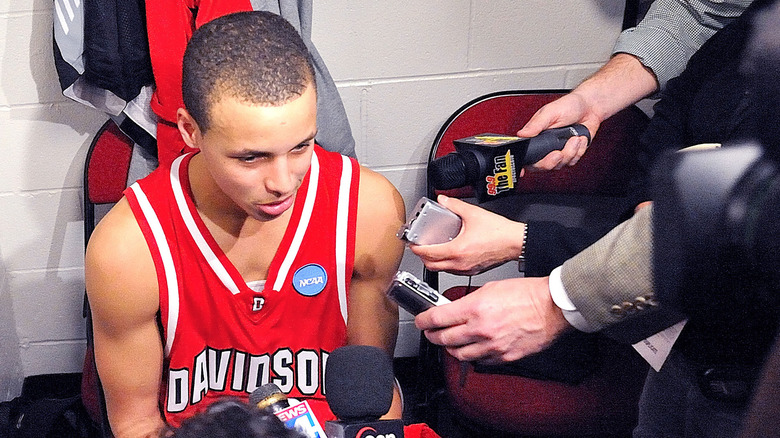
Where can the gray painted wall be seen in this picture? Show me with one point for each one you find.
(402, 68)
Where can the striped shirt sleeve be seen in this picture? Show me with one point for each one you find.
(673, 30)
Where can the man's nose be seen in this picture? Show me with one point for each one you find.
(279, 180)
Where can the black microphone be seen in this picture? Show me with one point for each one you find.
(491, 163)
(270, 397)
(299, 417)
(359, 388)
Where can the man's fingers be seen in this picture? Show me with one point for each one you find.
(455, 336)
(437, 252)
(568, 156)
(580, 145)
(541, 120)
(549, 162)
(570, 151)
(455, 205)
(440, 317)
(466, 353)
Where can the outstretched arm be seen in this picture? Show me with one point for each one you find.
(620, 83)
(644, 59)
(500, 322)
(122, 290)
(373, 318)
(486, 240)
(510, 319)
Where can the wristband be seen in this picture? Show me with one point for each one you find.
(521, 257)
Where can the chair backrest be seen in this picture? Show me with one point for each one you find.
(597, 189)
(106, 171)
(595, 193)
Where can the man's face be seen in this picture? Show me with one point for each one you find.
(259, 155)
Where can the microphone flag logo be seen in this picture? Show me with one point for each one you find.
(365, 429)
(301, 418)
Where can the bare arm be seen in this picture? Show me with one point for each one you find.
(122, 290)
(620, 83)
(672, 31)
(645, 58)
(373, 318)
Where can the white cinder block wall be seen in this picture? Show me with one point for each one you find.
(402, 68)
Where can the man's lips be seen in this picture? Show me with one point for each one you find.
(276, 208)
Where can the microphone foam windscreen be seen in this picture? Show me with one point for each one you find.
(448, 172)
(263, 393)
(359, 382)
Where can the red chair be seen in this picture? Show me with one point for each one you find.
(594, 193)
(105, 178)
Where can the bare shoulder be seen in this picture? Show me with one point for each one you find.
(119, 271)
(380, 214)
(379, 199)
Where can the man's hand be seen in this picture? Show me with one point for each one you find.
(569, 109)
(500, 322)
(621, 82)
(485, 240)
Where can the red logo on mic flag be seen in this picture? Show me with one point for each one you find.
(365, 429)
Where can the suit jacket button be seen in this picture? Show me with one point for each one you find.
(651, 301)
(618, 311)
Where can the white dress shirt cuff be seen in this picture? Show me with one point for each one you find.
(561, 299)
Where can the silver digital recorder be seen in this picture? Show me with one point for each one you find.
(430, 223)
(413, 294)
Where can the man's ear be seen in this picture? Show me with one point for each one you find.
(188, 128)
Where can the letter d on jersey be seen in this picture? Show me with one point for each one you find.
(257, 304)
(310, 280)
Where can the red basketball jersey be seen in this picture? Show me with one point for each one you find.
(220, 337)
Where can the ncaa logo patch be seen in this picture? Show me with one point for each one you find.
(310, 280)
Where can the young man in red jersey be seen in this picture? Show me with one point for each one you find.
(249, 261)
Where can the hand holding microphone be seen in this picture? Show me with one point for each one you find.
(491, 163)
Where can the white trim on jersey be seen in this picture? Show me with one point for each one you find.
(308, 207)
(197, 236)
(171, 279)
(342, 225)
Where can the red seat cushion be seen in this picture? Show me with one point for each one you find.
(604, 402)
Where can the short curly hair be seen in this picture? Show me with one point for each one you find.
(256, 57)
(232, 418)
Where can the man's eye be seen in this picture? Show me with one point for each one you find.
(303, 146)
(247, 159)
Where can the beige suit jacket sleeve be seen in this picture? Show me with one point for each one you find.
(611, 281)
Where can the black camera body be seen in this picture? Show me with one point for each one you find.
(716, 235)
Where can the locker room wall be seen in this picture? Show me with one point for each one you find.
(401, 67)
